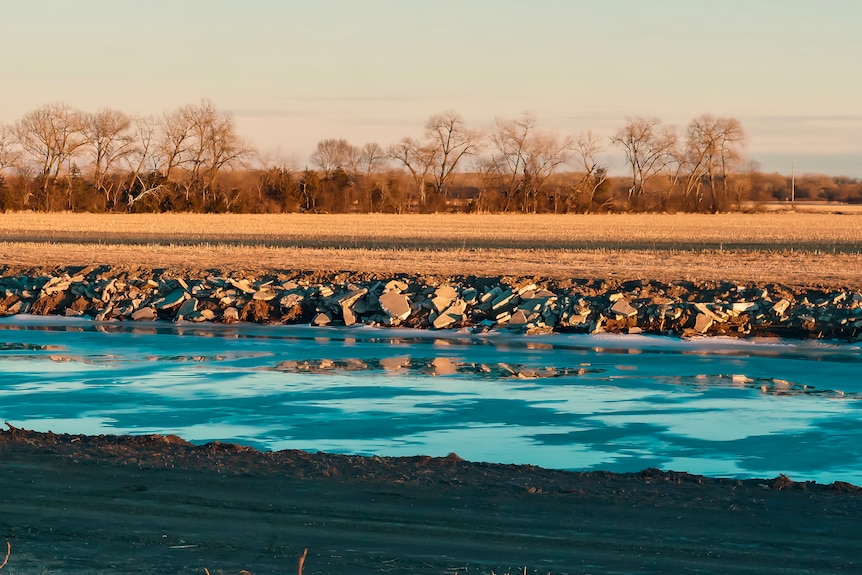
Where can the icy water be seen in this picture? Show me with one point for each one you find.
(621, 403)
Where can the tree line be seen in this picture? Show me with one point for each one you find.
(193, 159)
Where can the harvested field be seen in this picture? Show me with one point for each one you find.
(835, 233)
(793, 248)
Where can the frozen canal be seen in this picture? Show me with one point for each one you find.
(620, 403)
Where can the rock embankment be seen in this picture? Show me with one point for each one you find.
(530, 305)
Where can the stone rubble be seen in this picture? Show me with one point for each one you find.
(528, 305)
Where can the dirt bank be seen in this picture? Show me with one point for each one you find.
(129, 505)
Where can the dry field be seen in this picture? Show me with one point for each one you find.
(799, 248)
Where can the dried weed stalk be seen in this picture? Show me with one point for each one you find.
(8, 553)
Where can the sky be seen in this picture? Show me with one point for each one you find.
(295, 72)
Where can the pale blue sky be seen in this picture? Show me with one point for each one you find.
(373, 70)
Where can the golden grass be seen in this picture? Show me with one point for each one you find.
(823, 232)
(784, 247)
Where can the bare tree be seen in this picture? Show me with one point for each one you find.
(526, 158)
(721, 140)
(9, 154)
(224, 148)
(450, 142)
(50, 136)
(201, 141)
(364, 163)
(418, 160)
(712, 149)
(332, 154)
(175, 139)
(489, 172)
(108, 135)
(143, 159)
(371, 158)
(593, 175)
(510, 140)
(649, 149)
(545, 153)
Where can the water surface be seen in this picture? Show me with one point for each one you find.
(621, 403)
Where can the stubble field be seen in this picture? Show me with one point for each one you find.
(794, 248)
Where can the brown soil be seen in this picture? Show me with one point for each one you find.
(151, 504)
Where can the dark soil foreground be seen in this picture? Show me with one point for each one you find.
(158, 505)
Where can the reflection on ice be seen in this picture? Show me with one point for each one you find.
(623, 403)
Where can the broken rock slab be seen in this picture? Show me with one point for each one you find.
(187, 308)
(348, 315)
(176, 297)
(623, 308)
(321, 319)
(230, 315)
(396, 305)
(349, 300)
(780, 307)
(453, 314)
(702, 323)
(144, 314)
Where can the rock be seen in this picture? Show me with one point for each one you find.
(396, 304)
(291, 300)
(536, 304)
(451, 315)
(176, 297)
(321, 319)
(395, 285)
(324, 291)
(780, 307)
(107, 290)
(715, 315)
(144, 314)
(351, 297)
(440, 303)
(491, 295)
(242, 285)
(519, 318)
(470, 295)
(446, 291)
(187, 308)
(576, 320)
(504, 298)
(265, 294)
(105, 315)
(230, 315)
(673, 313)
(56, 285)
(702, 323)
(502, 317)
(623, 308)
(348, 315)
